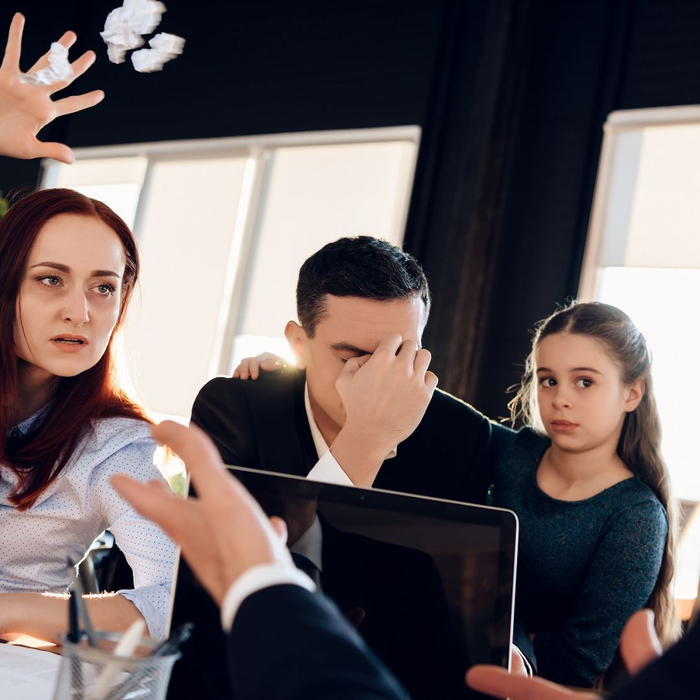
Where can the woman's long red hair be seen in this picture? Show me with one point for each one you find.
(78, 401)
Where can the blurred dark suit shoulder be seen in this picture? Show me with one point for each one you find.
(287, 643)
(262, 424)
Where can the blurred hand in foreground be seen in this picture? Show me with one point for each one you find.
(223, 532)
(639, 645)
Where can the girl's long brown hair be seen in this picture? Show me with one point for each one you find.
(640, 441)
(77, 401)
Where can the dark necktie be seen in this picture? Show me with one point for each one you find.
(308, 567)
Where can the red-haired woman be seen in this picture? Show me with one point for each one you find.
(68, 265)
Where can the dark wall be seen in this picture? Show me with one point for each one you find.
(511, 96)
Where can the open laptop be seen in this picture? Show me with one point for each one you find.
(428, 583)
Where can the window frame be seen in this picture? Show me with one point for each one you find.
(618, 122)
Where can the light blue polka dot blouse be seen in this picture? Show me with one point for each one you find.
(76, 508)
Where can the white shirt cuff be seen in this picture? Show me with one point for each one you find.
(329, 471)
(254, 580)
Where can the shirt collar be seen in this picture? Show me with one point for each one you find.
(310, 544)
(27, 424)
(319, 442)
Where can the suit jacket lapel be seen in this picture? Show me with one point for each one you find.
(303, 431)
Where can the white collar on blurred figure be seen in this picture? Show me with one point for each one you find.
(319, 442)
(310, 544)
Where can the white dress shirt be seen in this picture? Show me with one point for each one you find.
(76, 507)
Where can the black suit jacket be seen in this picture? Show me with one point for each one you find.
(262, 424)
(289, 644)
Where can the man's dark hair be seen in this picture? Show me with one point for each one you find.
(363, 267)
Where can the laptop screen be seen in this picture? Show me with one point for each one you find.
(427, 583)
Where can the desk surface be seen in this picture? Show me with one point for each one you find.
(25, 673)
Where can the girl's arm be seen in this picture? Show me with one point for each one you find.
(45, 615)
(620, 579)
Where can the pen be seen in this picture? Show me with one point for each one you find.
(73, 625)
(82, 607)
(177, 639)
(74, 637)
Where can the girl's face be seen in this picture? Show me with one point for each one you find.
(69, 297)
(581, 396)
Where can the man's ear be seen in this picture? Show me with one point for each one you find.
(296, 337)
(635, 394)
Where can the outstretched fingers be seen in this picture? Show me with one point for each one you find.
(67, 40)
(78, 67)
(53, 149)
(153, 500)
(76, 103)
(214, 485)
(13, 48)
(197, 451)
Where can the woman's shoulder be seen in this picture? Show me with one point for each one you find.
(121, 429)
(109, 446)
(108, 436)
(117, 445)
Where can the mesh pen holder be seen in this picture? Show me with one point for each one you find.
(141, 677)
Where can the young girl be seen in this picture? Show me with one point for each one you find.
(591, 490)
(68, 266)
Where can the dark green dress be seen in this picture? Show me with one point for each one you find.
(583, 566)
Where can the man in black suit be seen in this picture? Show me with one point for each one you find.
(359, 408)
(286, 643)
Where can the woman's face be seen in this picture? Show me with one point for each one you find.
(70, 295)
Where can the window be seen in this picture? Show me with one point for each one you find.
(223, 226)
(643, 255)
